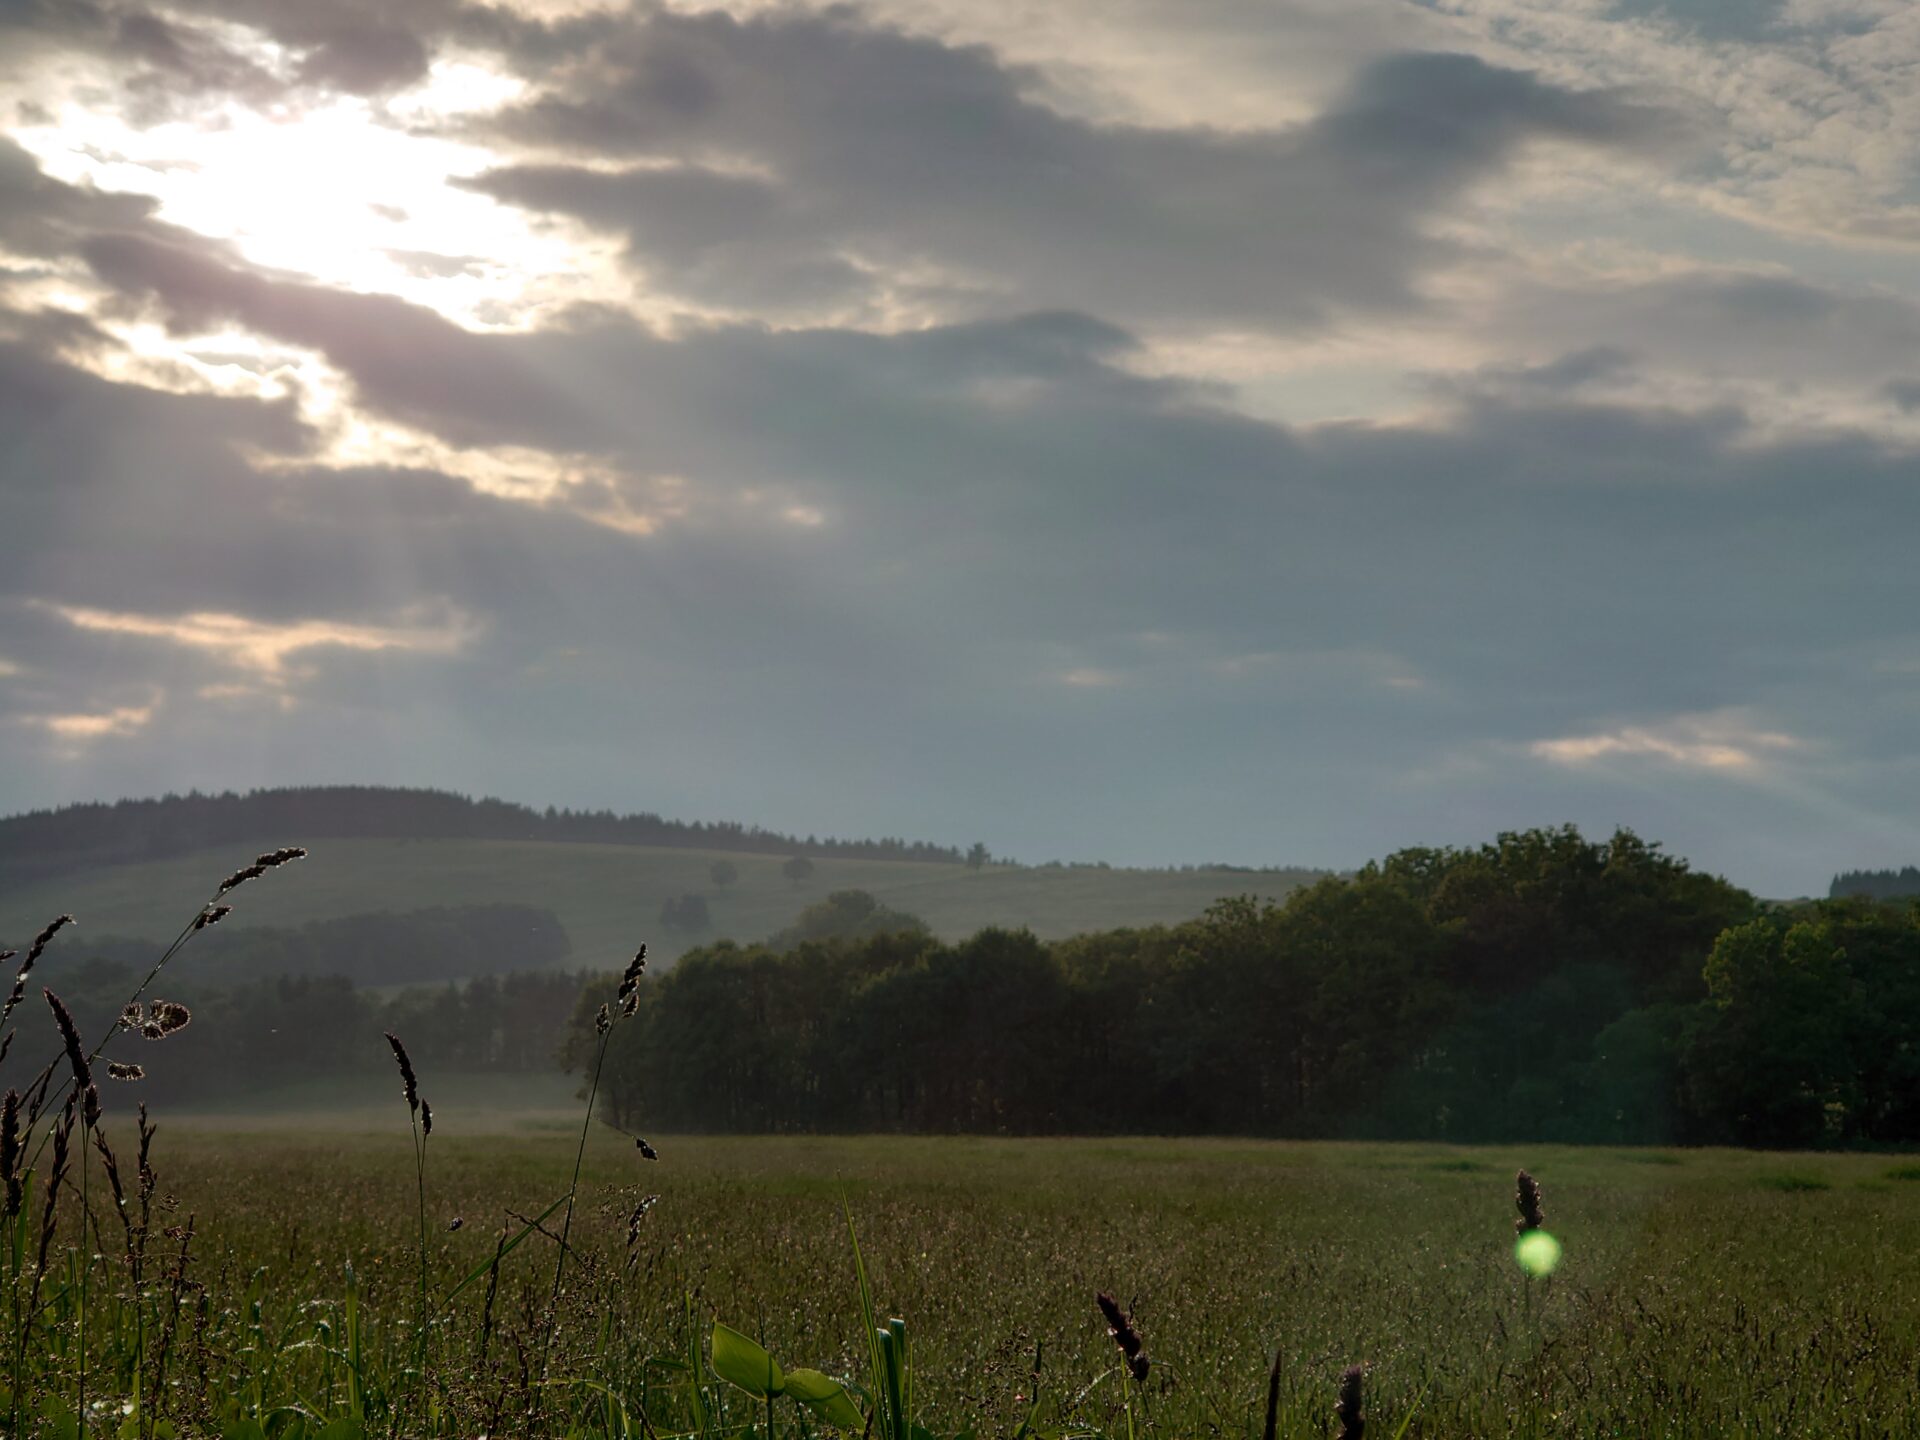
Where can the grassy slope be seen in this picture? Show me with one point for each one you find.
(608, 896)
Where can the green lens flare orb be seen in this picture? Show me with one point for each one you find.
(1537, 1252)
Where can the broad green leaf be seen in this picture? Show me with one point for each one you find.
(344, 1428)
(826, 1398)
(739, 1361)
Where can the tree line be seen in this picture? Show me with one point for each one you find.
(297, 1029)
(51, 841)
(1876, 884)
(1541, 988)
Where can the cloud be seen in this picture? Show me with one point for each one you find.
(124, 720)
(793, 159)
(1724, 742)
(268, 650)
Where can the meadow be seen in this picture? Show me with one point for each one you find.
(1701, 1293)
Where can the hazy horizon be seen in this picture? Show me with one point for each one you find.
(1155, 433)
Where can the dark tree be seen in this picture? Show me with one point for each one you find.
(798, 869)
(685, 912)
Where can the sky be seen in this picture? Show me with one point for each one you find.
(1156, 431)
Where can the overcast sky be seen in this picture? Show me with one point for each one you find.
(1150, 430)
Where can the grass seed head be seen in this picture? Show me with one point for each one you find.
(158, 1020)
(122, 1070)
(647, 1152)
(43, 939)
(212, 915)
(1353, 1423)
(1526, 1198)
(629, 993)
(409, 1085)
(271, 860)
(10, 1149)
(70, 1038)
(1120, 1326)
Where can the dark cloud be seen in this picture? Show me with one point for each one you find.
(172, 57)
(44, 217)
(872, 150)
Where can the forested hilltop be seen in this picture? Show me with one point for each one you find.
(1876, 884)
(129, 830)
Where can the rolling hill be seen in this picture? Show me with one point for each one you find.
(607, 896)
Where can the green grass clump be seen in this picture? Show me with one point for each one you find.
(1794, 1184)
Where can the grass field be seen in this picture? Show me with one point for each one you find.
(609, 896)
(1701, 1293)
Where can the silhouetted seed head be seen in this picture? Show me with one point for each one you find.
(70, 1037)
(212, 915)
(121, 1070)
(602, 1022)
(1353, 1424)
(647, 1152)
(426, 1118)
(241, 876)
(629, 993)
(42, 940)
(90, 1107)
(261, 864)
(132, 1017)
(10, 1149)
(1120, 1326)
(1526, 1196)
(455, 1224)
(409, 1086)
(163, 1018)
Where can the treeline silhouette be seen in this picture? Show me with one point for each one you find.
(52, 841)
(442, 942)
(1876, 884)
(1540, 988)
(311, 1030)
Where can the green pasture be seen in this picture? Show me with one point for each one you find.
(1701, 1293)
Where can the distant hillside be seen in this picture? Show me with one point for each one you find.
(49, 841)
(1876, 884)
(608, 896)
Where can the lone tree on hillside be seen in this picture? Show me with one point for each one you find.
(798, 869)
(684, 912)
(723, 873)
(977, 857)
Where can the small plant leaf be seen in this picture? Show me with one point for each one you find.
(827, 1398)
(740, 1361)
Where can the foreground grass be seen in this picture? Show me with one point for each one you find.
(1702, 1293)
